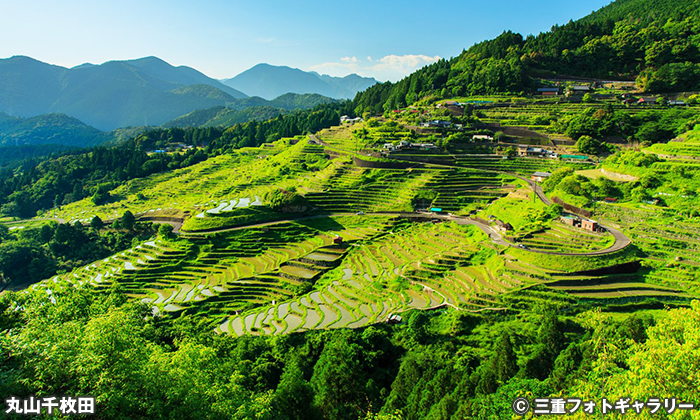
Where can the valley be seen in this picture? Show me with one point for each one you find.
(510, 232)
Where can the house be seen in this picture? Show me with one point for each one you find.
(503, 227)
(531, 151)
(451, 104)
(436, 124)
(570, 220)
(548, 91)
(677, 103)
(540, 176)
(610, 200)
(482, 137)
(349, 120)
(578, 90)
(646, 100)
(404, 143)
(389, 146)
(423, 146)
(337, 240)
(590, 225)
(394, 319)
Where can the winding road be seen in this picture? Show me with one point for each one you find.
(621, 241)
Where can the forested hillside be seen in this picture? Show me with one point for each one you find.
(55, 129)
(433, 262)
(45, 183)
(453, 365)
(657, 43)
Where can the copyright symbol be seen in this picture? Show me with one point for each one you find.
(521, 406)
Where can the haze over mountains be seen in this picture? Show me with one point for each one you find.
(110, 95)
(269, 82)
(149, 91)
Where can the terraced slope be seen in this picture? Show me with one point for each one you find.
(352, 189)
(421, 266)
(670, 241)
(245, 173)
(224, 274)
(562, 238)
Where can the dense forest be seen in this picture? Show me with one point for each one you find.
(658, 44)
(39, 184)
(38, 253)
(435, 365)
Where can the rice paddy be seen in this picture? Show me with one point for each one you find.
(341, 263)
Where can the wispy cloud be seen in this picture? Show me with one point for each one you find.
(391, 67)
(269, 40)
(276, 42)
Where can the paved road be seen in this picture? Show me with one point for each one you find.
(621, 241)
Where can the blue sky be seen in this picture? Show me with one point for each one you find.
(383, 39)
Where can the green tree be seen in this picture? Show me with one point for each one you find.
(337, 380)
(588, 145)
(128, 220)
(96, 223)
(165, 230)
(294, 396)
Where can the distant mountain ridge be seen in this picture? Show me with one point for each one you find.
(55, 129)
(145, 91)
(249, 109)
(22, 136)
(268, 81)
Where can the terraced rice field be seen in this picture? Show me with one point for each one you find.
(224, 274)
(612, 286)
(688, 148)
(460, 189)
(671, 242)
(355, 189)
(521, 166)
(562, 238)
(247, 173)
(433, 261)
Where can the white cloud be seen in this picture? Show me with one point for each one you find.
(391, 67)
(404, 63)
(266, 40)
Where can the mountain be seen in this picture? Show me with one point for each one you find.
(55, 129)
(270, 82)
(291, 101)
(33, 137)
(248, 109)
(656, 42)
(221, 116)
(114, 94)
